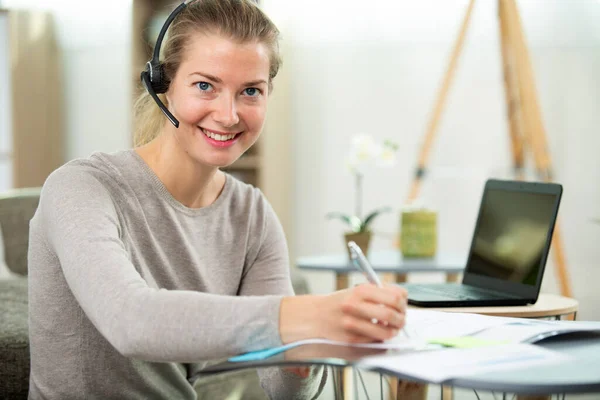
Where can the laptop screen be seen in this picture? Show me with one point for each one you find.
(511, 235)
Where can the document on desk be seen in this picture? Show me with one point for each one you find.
(421, 327)
(424, 329)
(433, 325)
(425, 324)
(443, 365)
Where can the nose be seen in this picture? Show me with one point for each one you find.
(225, 112)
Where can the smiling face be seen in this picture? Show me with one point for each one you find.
(219, 94)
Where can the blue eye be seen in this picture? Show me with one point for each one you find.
(252, 92)
(204, 86)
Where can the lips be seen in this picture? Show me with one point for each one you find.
(220, 136)
(220, 140)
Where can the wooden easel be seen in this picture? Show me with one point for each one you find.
(526, 131)
(526, 128)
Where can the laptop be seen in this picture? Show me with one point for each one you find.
(508, 252)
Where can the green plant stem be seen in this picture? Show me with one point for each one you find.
(358, 178)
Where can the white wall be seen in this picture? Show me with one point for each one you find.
(94, 38)
(376, 67)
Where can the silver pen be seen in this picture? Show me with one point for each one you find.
(363, 265)
(360, 261)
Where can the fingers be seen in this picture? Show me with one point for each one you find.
(369, 311)
(362, 328)
(392, 296)
(373, 312)
(363, 314)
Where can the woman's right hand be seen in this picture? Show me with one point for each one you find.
(364, 313)
(347, 315)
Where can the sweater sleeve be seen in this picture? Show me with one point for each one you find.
(80, 224)
(269, 274)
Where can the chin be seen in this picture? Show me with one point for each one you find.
(215, 162)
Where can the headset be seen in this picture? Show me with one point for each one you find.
(153, 77)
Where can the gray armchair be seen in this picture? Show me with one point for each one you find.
(17, 207)
(16, 210)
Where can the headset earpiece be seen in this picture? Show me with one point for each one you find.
(153, 76)
(149, 86)
(160, 84)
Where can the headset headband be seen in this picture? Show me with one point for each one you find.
(153, 77)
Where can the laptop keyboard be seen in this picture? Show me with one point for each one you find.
(461, 292)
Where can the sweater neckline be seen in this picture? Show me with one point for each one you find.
(162, 190)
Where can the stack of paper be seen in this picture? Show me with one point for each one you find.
(442, 365)
(500, 342)
(434, 325)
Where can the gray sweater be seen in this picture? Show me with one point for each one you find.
(130, 291)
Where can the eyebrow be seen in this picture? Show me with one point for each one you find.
(219, 80)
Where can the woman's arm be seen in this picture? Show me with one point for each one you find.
(80, 224)
(268, 273)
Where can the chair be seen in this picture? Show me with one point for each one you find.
(17, 207)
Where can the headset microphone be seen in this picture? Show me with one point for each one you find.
(153, 77)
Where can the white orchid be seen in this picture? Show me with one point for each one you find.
(387, 156)
(365, 152)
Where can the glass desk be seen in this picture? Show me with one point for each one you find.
(581, 374)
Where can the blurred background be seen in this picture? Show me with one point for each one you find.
(350, 67)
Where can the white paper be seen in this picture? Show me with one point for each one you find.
(442, 365)
(425, 325)
(531, 331)
(422, 326)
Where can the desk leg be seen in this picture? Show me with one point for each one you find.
(446, 392)
(341, 281)
(388, 277)
(395, 384)
(406, 390)
(339, 389)
(452, 278)
(347, 384)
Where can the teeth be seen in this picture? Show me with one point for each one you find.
(215, 136)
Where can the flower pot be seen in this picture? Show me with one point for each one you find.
(362, 239)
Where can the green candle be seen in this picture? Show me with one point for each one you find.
(418, 232)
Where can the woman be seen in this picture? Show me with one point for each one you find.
(145, 263)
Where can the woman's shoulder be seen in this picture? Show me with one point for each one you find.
(249, 200)
(243, 193)
(88, 174)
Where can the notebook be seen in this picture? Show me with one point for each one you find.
(508, 252)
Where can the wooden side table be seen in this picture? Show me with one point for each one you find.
(547, 305)
(389, 263)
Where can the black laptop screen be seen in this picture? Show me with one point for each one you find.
(511, 235)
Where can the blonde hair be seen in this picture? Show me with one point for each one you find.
(240, 20)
